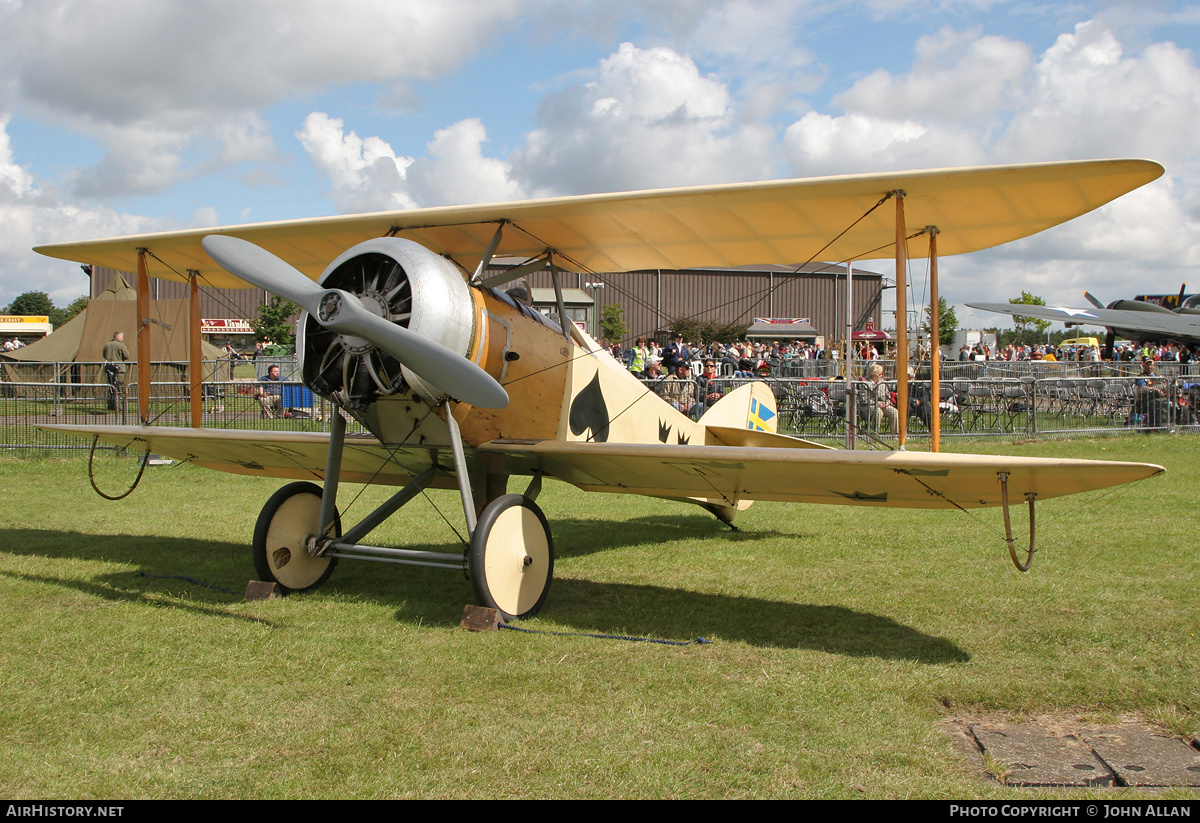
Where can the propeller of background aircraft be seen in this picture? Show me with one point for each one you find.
(343, 313)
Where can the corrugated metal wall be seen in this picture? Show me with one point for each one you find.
(652, 299)
(236, 304)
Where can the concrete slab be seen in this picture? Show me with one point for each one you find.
(1033, 757)
(1140, 757)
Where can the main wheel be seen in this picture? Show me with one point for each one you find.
(512, 557)
(280, 536)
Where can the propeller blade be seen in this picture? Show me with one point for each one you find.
(1091, 299)
(342, 312)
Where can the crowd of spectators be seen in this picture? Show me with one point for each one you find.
(685, 374)
(1128, 352)
(669, 369)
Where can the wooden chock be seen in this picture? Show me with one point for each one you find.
(481, 619)
(262, 590)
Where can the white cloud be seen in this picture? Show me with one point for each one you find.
(824, 144)
(364, 173)
(648, 118)
(126, 61)
(31, 216)
(456, 170)
(1090, 99)
(172, 88)
(15, 181)
(957, 77)
(971, 99)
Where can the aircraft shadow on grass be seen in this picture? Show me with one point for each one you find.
(422, 595)
(576, 537)
(123, 588)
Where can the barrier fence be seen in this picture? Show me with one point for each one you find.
(993, 399)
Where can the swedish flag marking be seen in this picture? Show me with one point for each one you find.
(760, 415)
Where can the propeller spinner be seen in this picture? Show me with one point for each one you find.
(343, 313)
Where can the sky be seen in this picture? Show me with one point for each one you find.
(143, 115)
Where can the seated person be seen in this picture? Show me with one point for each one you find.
(270, 394)
(881, 399)
(710, 391)
(680, 390)
(919, 403)
(653, 372)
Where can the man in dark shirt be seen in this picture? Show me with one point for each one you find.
(270, 394)
(116, 355)
(675, 354)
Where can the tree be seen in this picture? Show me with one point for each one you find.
(947, 322)
(31, 302)
(612, 323)
(707, 331)
(276, 321)
(1035, 325)
(60, 316)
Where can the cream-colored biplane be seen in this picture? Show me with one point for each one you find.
(462, 385)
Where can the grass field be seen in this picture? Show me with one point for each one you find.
(842, 639)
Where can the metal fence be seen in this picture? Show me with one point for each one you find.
(985, 399)
(977, 400)
(78, 394)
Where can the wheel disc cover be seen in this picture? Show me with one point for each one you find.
(515, 586)
(288, 558)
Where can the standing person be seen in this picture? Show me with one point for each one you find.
(115, 354)
(1150, 407)
(675, 353)
(233, 356)
(640, 354)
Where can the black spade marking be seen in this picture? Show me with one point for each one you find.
(664, 431)
(589, 411)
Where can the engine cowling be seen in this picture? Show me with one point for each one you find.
(405, 283)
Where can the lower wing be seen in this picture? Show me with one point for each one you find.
(714, 473)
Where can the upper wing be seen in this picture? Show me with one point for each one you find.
(1167, 324)
(732, 474)
(782, 222)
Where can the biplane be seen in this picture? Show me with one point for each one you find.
(459, 384)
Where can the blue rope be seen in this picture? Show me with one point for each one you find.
(188, 579)
(699, 641)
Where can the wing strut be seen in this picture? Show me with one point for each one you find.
(901, 321)
(1012, 549)
(460, 469)
(558, 299)
(486, 260)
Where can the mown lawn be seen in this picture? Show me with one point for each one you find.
(842, 639)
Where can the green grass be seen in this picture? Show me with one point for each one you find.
(843, 637)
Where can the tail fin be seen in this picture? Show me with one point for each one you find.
(751, 406)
